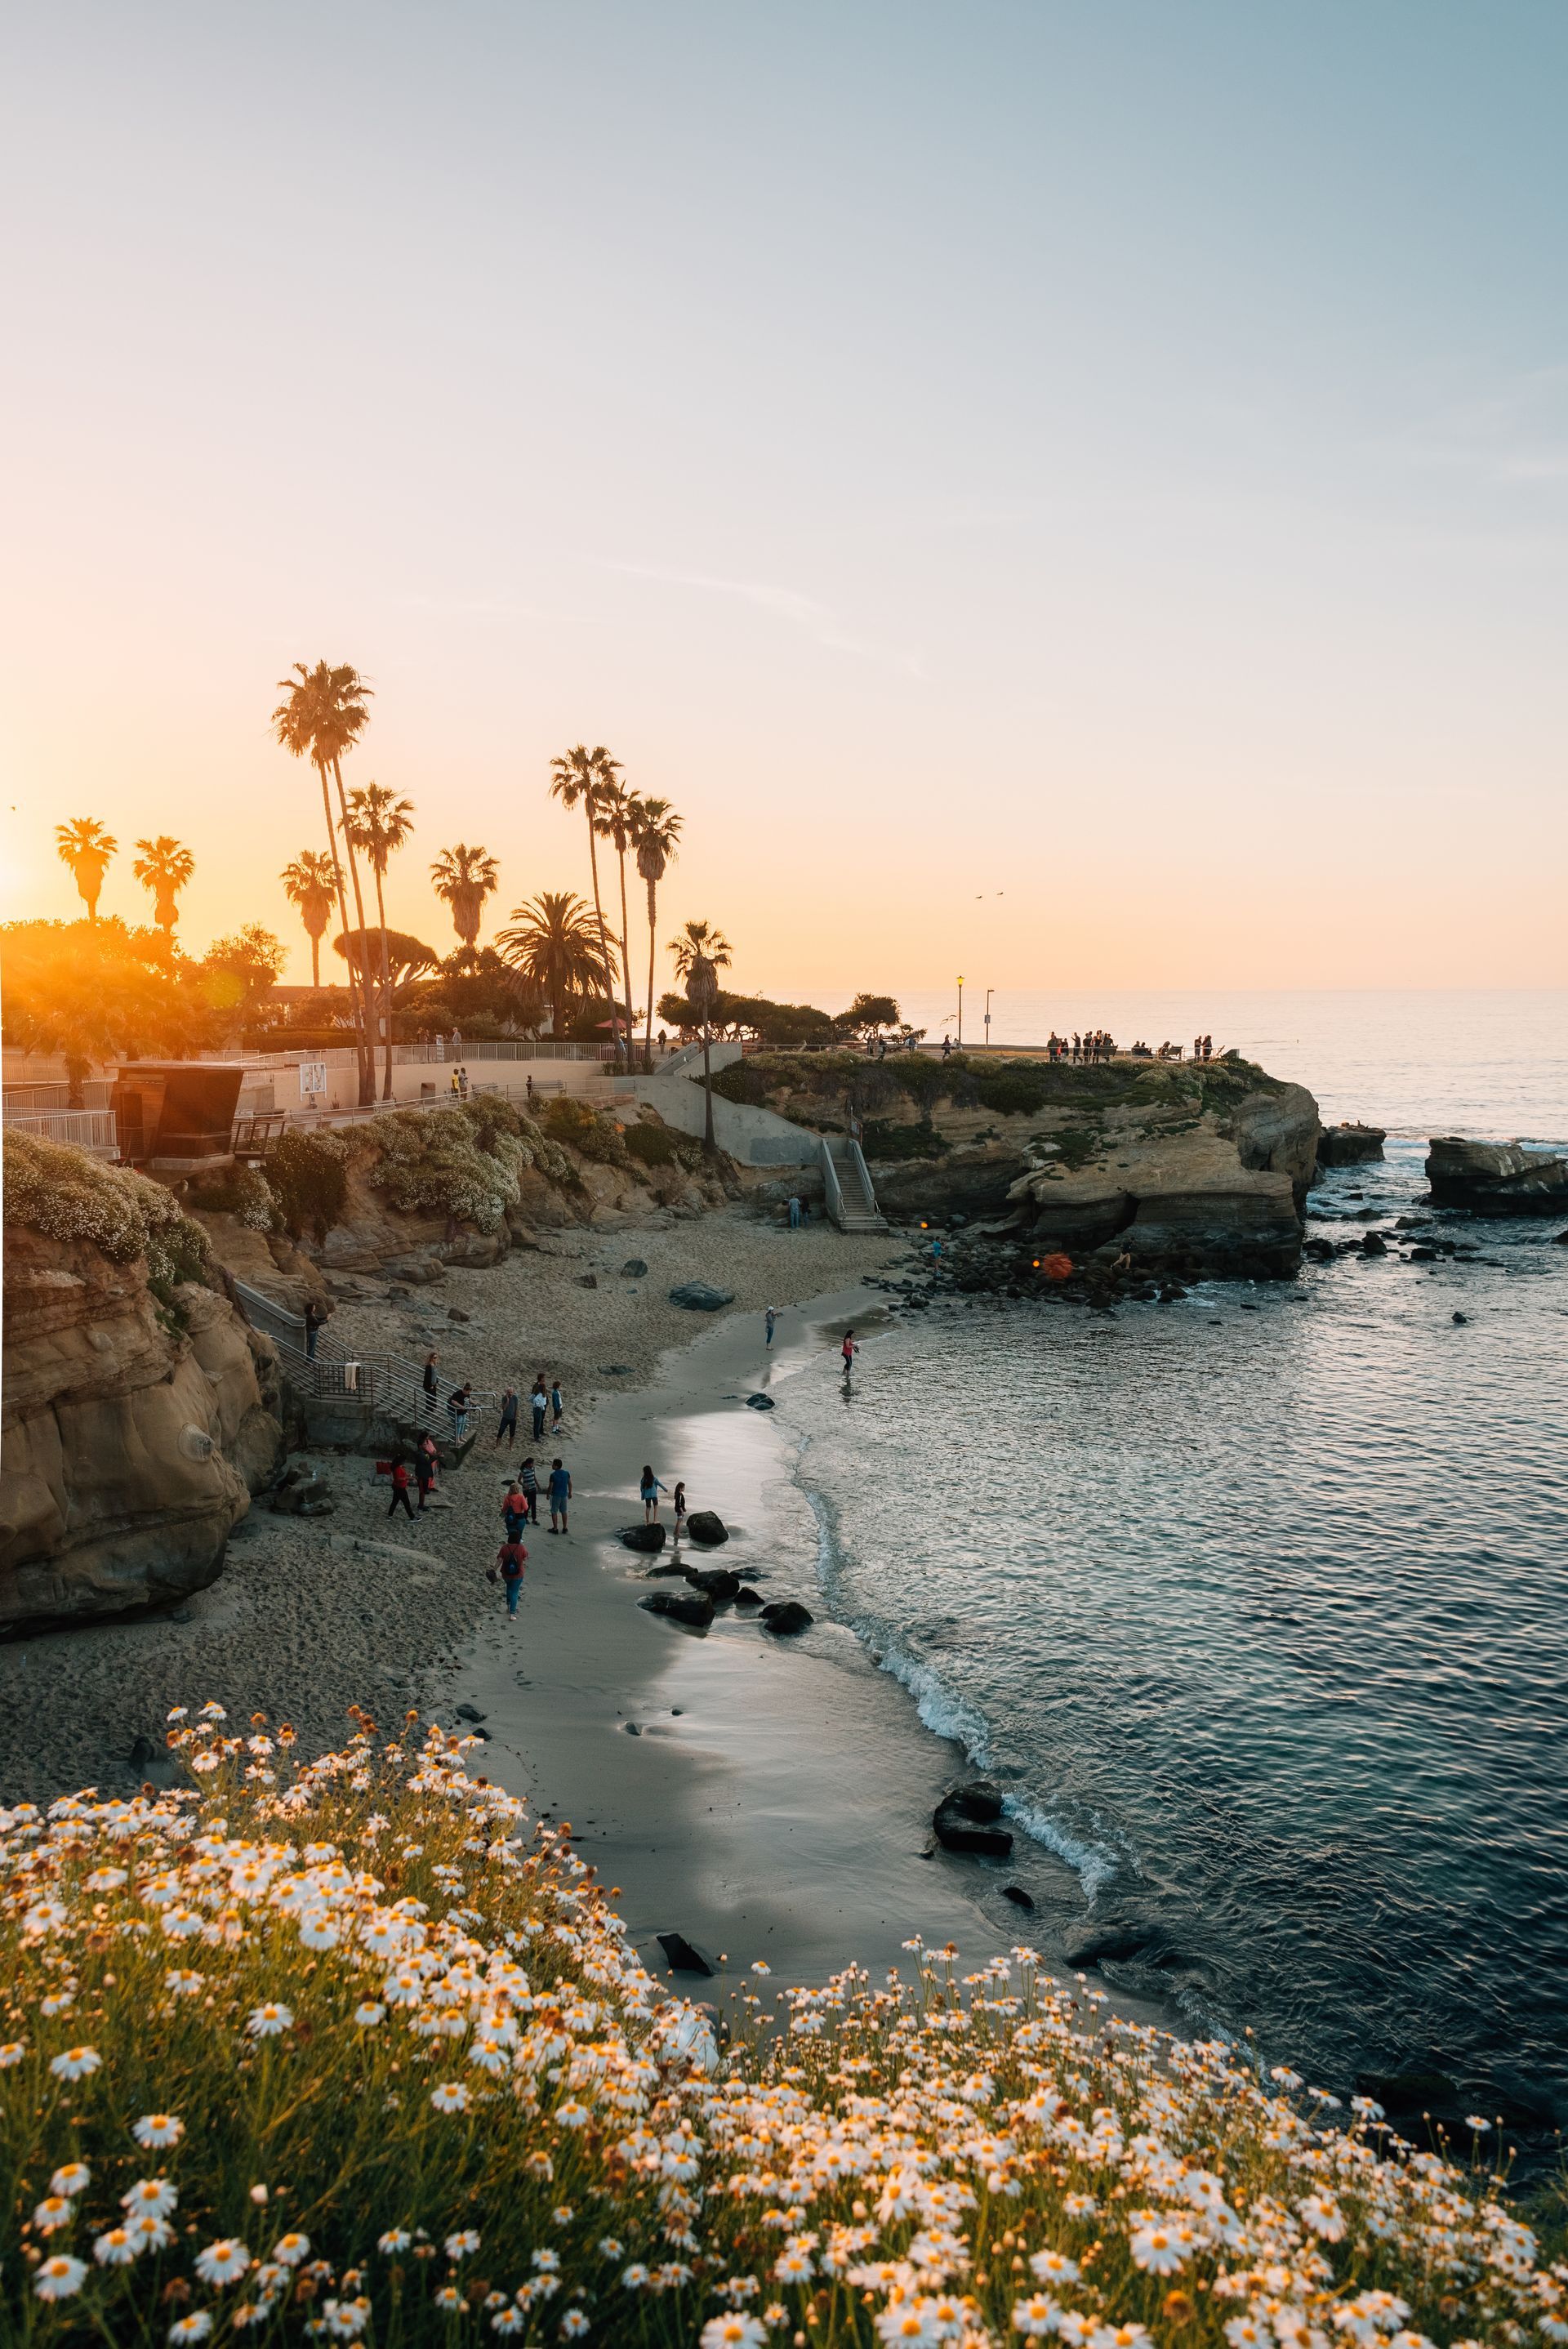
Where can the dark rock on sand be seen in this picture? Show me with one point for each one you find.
(688, 1607)
(1461, 1316)
(707, 1526)
(615, 1370)
(649, 1539)
(714, 1581)
(302, 1492)
(455, 1313)
(1117, 1937)
(1374, 1244)
(469, 1712)
(1423, 1255)
(966, 1818)
(760, 1403)
(1495, 1178)
(746, 1597)
(1018, 1896)
(633, 1269)
(633, 1729)
(1350, 1146)
(701, 1296)
(587, 1280)
(680, 1956)
(786, 1617)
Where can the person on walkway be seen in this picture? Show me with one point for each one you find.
(313, 1318)
(507, 1432)
(849, 1350)
(425, 1467)
(560, 1495)
(680, 1508)
(456, 1088)
(770, 1317)
(457, 1412)
(794, 1211)
(651, 1489)
(399, 1488)
(529, 1092)
(558, 1408)
(430, 1384)
(512, 1557)
(540, 1402)
(528, 1478)
(514, 1510)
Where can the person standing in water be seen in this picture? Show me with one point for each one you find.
(680, 1508)
(849, 1350)
(770, 1316)
(651, 1488)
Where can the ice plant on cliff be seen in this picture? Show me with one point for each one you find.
(475, 2113)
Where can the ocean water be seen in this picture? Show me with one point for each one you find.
(1255, 1606)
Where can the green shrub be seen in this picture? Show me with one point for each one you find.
(651, 1145)
(1015, 1087)
(592, 1134)
(244, 1193)
(308, 1174)
(461, 1162)
(885, 1138)
(64, 1194)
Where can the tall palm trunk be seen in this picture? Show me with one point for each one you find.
(368, 1050)
(649, 1033)
(315, 959)
(342, 916)
(626, 946)
(598, 908)
(709, 1142)
(386, 983)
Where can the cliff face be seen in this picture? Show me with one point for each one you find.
(1219, 1194)
(1496, 1178)
(129, 1448)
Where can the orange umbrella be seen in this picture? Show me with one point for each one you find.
(1057, 1267)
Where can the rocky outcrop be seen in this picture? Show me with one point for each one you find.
(134, 1434)
(1348, 1145)
(1496, 1178)
(1218, 1193)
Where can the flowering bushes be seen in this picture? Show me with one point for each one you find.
(64, 1194)
(338, 2051)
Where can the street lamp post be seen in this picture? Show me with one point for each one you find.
(961, 1011)
(990, 991)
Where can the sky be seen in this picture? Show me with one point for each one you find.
(1073, 494)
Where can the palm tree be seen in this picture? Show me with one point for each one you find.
(86, 847)
(321, 716)
(580, 778)
(701, 952)
(163, 868)
(656, 831)
(311, 883)
(465, 877)
(554, 947)
(617, 822)
(377, 820)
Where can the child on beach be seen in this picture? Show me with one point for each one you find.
(512, 1557)
(651, 1489)
(527, 1476)
(540, 1402)
(848, 1350)
(560, 1495)
(400, 1488)
(772, 1317)
(680, 1508)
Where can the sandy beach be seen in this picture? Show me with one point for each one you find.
(768, 1798)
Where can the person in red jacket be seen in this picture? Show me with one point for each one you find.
(400, 1488)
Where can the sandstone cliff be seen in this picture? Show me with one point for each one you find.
(140, 1412)
(1496, 1178)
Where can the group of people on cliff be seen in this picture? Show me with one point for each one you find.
(1094, 1044)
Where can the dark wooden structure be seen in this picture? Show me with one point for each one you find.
(176, 1118)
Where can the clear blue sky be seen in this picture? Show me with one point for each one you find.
(1117, 453)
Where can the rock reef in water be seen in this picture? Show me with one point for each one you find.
(141, 1413)
(1495, 1178)
(1350, 1146)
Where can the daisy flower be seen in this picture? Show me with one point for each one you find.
(395, 2239)
(1120, 2336)
(460, 2246)
(183, 1980)
(508, 2320)
(1157, 2249)
(1053, 2267)
(573, 2324)
(546, 2262)
(1324, 2216)
(1036, 2314)
(55, 2210)
(150, 2198)
(115, 2248)
(369, 2012)
(75, 2064)
(11, 2051)
(151, 2233)
(194, 2327)
(451, 2097)
(449, 2299)
(156, 2130)
(58, 2277)
(224, 2262)
(734, 2333)
(347, 2319)
(71, 2177)
(267, 2020)
(292, 2248)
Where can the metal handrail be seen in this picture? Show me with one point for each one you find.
(383, 1381)
(833, 1195)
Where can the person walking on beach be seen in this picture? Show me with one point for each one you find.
(425, 1467)
(557, 1407)
(680, 1508)
(770, 1317)
(457, 1412)
(431, 1383)
(560, 1495)
(849, 1350)
(540, 1401)
(507, 1432)
(651, 1489)
(514, 1510)
(399, 1488)
(528, 1478)
(512, 1557)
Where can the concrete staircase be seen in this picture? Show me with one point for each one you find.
(846, 1180)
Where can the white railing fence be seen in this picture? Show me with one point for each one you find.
(90, 1129)
(388, 1385)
